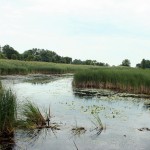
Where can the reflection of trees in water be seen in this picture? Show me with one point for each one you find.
(146, 105)
(7, 146)
(40, 80)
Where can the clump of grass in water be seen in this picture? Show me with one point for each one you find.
(8, 114)
(77, 130)
(34, 118)
(99, 127)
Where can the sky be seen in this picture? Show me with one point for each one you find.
(108, 31)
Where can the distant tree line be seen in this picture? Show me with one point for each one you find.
(35, 54)
(144, 64)
(89, 62)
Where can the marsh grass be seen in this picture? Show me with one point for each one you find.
(8, 67)
(34, 117)
(123, 79)
(99, 127)
(8, 114)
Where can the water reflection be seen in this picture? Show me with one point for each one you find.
(146, 105)
(41, 80)
(33, 78)
(28, 138)
(7, 146)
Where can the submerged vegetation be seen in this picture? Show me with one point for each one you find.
(78, 130)
(121, 79)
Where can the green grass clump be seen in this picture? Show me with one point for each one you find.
(123, 79)
(8, 67)
(34, 117)
(8, 113)
(99, 127)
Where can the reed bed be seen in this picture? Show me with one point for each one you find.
(122, 79)
(9, 67)
(8, 114)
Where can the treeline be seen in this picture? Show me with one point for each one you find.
(35, 54)
(144, 64)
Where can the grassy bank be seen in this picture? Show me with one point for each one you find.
(8, 67)
(130, 80)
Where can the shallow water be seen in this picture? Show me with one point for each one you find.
(122, 117)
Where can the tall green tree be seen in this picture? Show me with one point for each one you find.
(143, 63)
(10, 53)
(77, 61)
(126, 62)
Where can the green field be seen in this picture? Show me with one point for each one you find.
(123, 79)
(9, 67)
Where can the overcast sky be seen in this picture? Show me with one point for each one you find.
(103, 30)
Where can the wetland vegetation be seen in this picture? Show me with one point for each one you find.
(8, 114)
(121, 79)
(10, 67)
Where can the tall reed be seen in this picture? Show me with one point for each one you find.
(8, 113)
(8, 67)
(121, 79)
